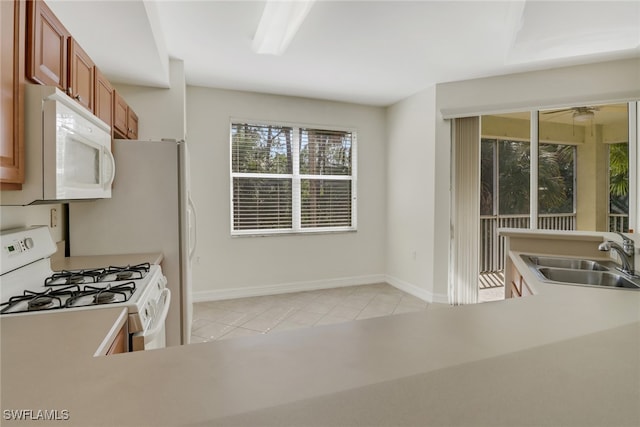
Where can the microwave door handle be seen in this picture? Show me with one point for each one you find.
(112, 160)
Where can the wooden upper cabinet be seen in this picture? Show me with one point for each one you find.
(47, 41)
(103, 102)
(12, 48)
(132, 124)
(54, 58)
(125, 120)
(120, 113)
(81, 75)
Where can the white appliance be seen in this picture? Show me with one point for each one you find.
(67, 151)
(29, 287)
(150, 210)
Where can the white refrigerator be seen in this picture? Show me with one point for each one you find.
(150, 211)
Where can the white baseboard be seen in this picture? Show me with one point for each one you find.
(222, 294)
(417, 292)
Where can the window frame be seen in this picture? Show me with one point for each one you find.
(495, 141)
(296, 179)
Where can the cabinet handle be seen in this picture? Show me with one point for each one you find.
(78, 98)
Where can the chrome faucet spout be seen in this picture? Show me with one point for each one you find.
(626, 253)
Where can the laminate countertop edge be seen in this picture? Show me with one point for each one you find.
(98, 261)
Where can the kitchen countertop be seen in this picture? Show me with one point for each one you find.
(98, 261)
(566, 356)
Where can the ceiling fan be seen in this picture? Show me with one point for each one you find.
(579, 114)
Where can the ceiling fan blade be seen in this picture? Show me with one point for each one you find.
(564, 110)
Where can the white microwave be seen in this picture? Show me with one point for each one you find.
(67, 151)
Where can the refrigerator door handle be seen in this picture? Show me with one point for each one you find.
(193, 240)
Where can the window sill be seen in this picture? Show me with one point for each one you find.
(291, 233)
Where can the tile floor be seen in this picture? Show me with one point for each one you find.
(491, 294)
(224, 319)
(267, 314)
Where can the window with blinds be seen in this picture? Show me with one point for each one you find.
(291, 179)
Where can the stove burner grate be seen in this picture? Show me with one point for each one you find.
(36, 301)
(124, 273)
(102, 295)
(73, 277)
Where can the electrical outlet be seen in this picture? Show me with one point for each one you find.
(54, 218)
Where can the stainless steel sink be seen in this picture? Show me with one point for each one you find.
(570, 263)
(586, 277)
(581, 272)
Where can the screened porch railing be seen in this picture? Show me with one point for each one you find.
(492, 245)
(619, 222)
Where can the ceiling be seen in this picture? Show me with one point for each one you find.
(368, 52)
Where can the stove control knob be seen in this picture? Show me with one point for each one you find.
(28, 243)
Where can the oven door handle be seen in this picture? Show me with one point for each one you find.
(159, 320)
(141, 338)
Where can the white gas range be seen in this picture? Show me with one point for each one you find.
(28, 286)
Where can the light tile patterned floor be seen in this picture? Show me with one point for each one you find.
(262, 315)
(491, 294)
(491, 286)
(267, 314)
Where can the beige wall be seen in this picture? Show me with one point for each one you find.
(161, 112)
(233, 266)
(25, 216)
(411, 199)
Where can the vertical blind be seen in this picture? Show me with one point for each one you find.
(465, 202)
(289, 179)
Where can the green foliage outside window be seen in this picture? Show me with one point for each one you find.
(619, 178)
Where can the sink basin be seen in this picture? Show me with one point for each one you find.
(571, 263)
(585, 277)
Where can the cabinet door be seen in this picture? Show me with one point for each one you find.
(120, 343)
(81, 75)
(103, 103)
(47, 46)
(12, 45)
(120, 111)
(132, 124)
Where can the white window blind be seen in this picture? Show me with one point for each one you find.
(291, 179)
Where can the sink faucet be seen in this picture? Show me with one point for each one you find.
(626, 252)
